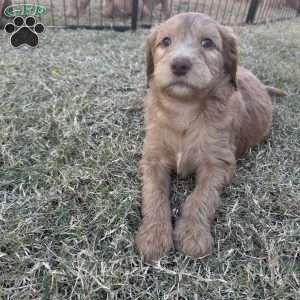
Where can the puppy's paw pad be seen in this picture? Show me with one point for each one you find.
(154, 240)
(192, 238)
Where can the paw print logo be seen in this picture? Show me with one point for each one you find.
(24, 31)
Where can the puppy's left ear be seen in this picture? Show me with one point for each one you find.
(149, 54)
(230, 53)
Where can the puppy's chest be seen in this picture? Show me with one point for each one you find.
(187, 148)
(184, 162)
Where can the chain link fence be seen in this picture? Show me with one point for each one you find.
(133, 14)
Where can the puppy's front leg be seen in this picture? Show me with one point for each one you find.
(154, 237)
(192, 234)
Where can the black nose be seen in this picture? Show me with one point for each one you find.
(181, 65)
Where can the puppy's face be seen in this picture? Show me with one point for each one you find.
(189, 53)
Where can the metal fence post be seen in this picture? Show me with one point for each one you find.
(134, 16)
(252, 11)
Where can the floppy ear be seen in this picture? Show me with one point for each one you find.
(230, 53)
(149, 55)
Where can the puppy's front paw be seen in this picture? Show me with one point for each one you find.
(154, 240)
(192, 238)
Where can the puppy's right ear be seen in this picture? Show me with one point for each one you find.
(149, 48)
(230, 53)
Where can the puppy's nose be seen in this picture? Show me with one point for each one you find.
(181, 65)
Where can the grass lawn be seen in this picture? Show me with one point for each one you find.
(71, 136)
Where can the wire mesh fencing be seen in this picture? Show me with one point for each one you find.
(133, 14)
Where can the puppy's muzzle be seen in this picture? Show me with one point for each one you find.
(180, 66)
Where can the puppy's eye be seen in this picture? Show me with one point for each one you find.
(166, 42)
(207, 43)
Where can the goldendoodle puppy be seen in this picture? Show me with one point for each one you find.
(202, 112)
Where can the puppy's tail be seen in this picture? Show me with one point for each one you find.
(272, 91)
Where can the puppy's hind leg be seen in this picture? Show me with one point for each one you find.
(192, 235)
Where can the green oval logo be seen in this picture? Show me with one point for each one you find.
(25, 9)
